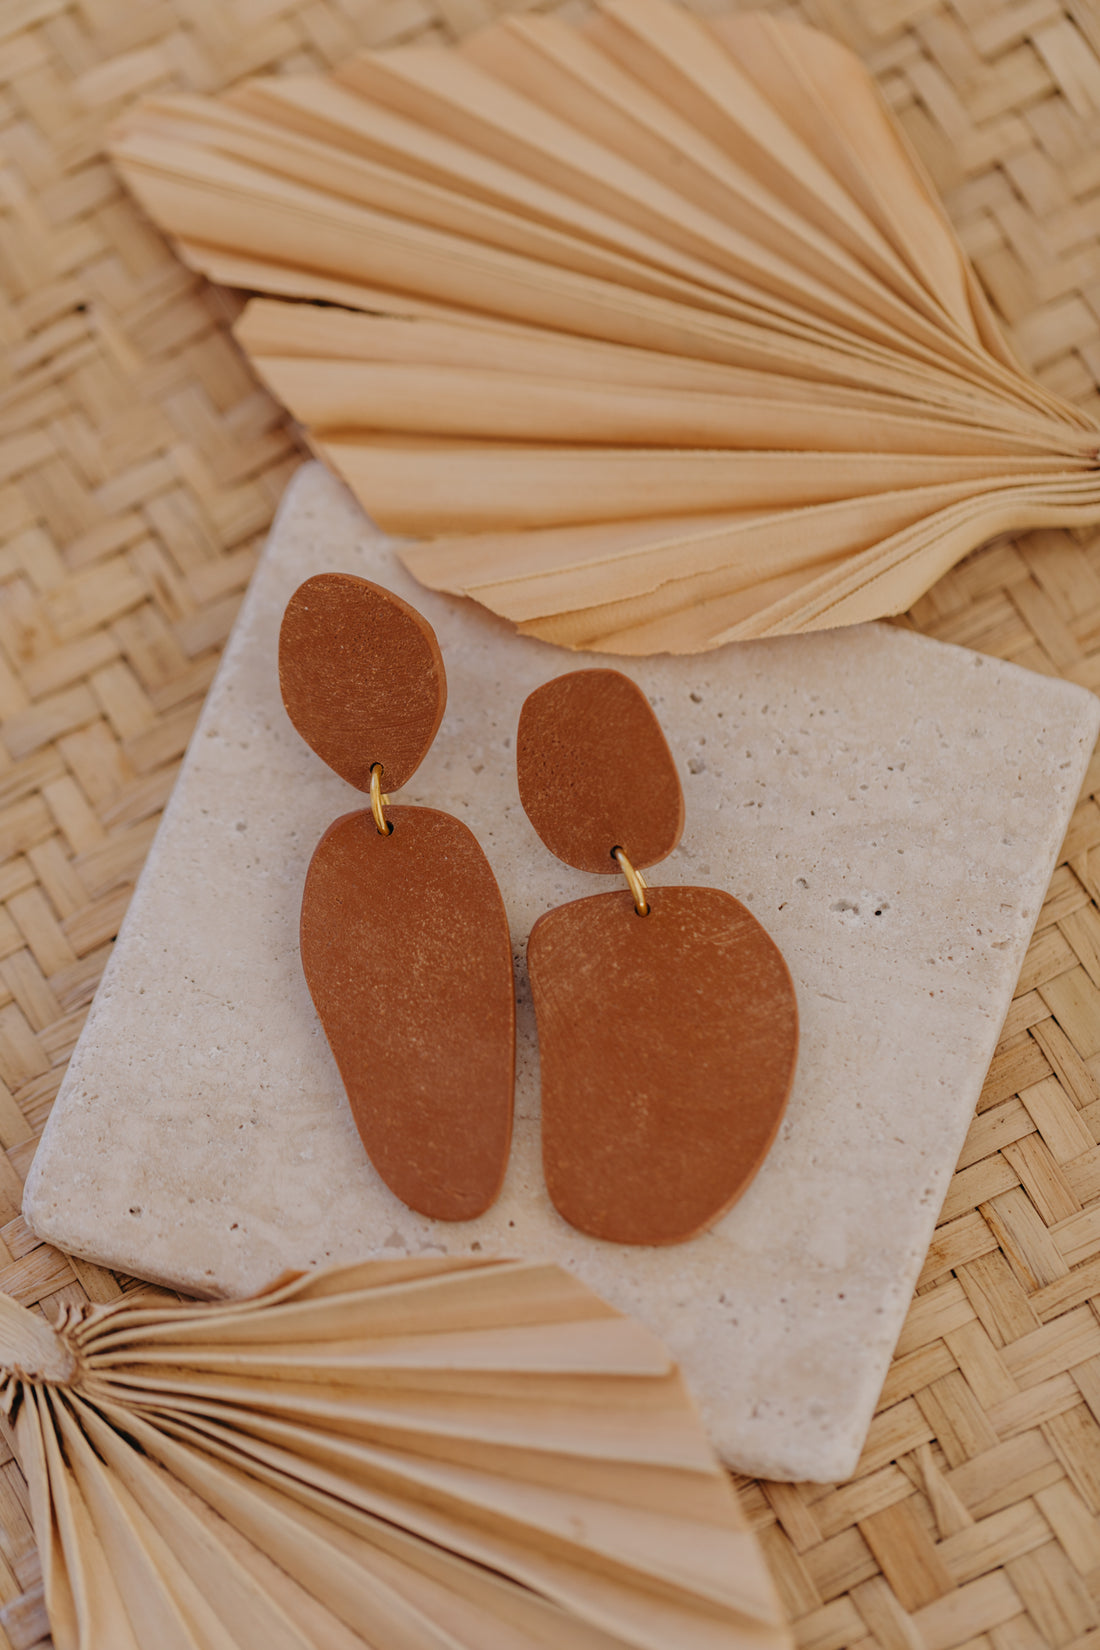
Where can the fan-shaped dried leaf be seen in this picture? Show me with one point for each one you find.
(411, 1455)
(663, 338)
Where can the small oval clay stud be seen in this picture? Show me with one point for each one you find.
(362, 677)
(595, 772)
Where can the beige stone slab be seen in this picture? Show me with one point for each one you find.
(890, 809)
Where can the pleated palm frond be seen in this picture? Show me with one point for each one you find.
(651, 330)
(413, 1455)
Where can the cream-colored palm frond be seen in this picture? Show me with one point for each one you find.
(651, 330)
(412, 1455)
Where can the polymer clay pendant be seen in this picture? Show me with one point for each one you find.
(404, 938)
(667, 1021)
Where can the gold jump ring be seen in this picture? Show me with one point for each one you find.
(378, 801)
(635, 879)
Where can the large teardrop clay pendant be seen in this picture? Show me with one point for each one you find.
(406, 953)
(667, 1047)
(404, 937)
(667, 1040)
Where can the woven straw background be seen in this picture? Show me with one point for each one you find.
(139, 467)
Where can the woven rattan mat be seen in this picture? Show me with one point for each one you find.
(139, 468)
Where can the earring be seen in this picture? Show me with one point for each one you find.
(404, 938)
(667, 1022)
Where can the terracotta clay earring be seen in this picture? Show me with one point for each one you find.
(667, 1022)
(404, 938)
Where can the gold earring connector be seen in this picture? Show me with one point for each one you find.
(635, 880)
(378, 801)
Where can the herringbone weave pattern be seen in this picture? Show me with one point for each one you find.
(139, 467)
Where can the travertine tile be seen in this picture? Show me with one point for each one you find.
(891, 810)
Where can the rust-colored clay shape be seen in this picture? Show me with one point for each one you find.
(595, 772)
(668, 1033)
(404, 938)
(362, 678)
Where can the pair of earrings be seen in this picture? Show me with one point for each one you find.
(666, 1017)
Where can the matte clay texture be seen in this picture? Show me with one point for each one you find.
(889, 807)
(667, 1045)
(595, 772)
(406, 952)
(362, 678)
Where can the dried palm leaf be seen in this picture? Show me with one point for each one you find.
(663, 338)
(428, 1454)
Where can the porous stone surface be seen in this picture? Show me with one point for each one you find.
(888, 807)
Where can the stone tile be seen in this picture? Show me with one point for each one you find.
(891, 809)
